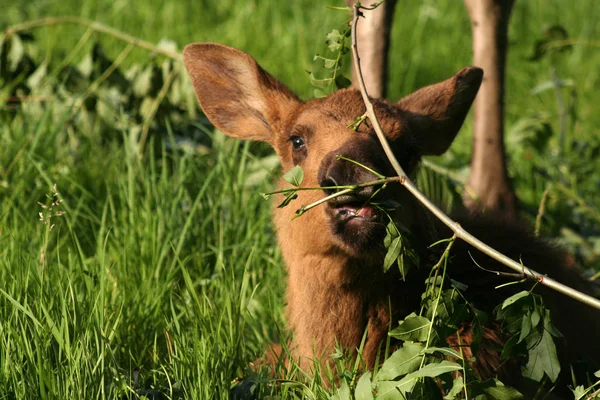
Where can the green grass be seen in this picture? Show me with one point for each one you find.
(157, 265)
(163, 275)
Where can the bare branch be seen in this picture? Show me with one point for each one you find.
(96, 27)
(459, 232)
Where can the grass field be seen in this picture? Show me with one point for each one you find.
(162, 278)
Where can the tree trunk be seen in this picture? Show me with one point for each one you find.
(488, 181)
(373, 45)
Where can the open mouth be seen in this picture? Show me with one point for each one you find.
(346, 211)
(346, 208)
(357, 223)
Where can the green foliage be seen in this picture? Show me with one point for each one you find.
(294, 176)
(555, 40)
(337, 43)
(412, 328)
(95, 96)
(528, 321)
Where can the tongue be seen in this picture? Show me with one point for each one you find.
(366, 211)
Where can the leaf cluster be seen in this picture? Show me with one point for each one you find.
(524, 316)
(97, 93)
(337, 43)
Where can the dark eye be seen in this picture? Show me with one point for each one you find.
(297, 143)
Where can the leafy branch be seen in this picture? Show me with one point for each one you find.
(456, 228)
(336, 42)
(145, 94)
(94, 26)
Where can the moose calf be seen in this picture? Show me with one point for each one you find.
(334, 254)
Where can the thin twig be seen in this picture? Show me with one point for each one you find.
(454, 226)
(350, 187)
(541, 211)
(305, 208)
(443, 262)
(105, 75)
(82, 41)
(96, 26)
(593, 395)
(154, 108)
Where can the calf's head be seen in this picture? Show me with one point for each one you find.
(246, 102)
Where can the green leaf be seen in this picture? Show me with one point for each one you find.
(340, 8)
(341, 82)
(393, 244)
(393, 252)
(343, 393)
(436, 369)
(320, 83)
(542, 47)
(514, 298)
(535, 318)
(413, 328)
(447, 351)
(35, 79)
(548, 325)
(525, 326)
(149, 82)
(389, 390)
(294, 176)
(512, 347)
(550, 85)
(288, 198)
(167, 44)
(579, 392)
(318, 93)
(335, 40)
(457, 387)
(503, 393)
(391, 233)
(542, 357)
(394, 390)
(329, 63)
(335, 36)
(364, 390)
(16, 52)
(403, 361)
(335, 46)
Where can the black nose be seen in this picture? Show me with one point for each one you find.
(343, 174)
(327, 184)
(336, 171)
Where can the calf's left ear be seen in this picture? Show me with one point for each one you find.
(436, 113)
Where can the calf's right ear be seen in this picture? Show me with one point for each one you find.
(236, 94)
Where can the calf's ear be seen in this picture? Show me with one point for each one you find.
(236, 94)
(435, 113)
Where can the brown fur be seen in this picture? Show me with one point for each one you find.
(336, 286)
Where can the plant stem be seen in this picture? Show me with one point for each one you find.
(96, 26)
(349, 189)
(382, 181)
(377, 174)
(459, 232)
(155, 104)
(442, 262)
(105, 75)
(541, 211)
